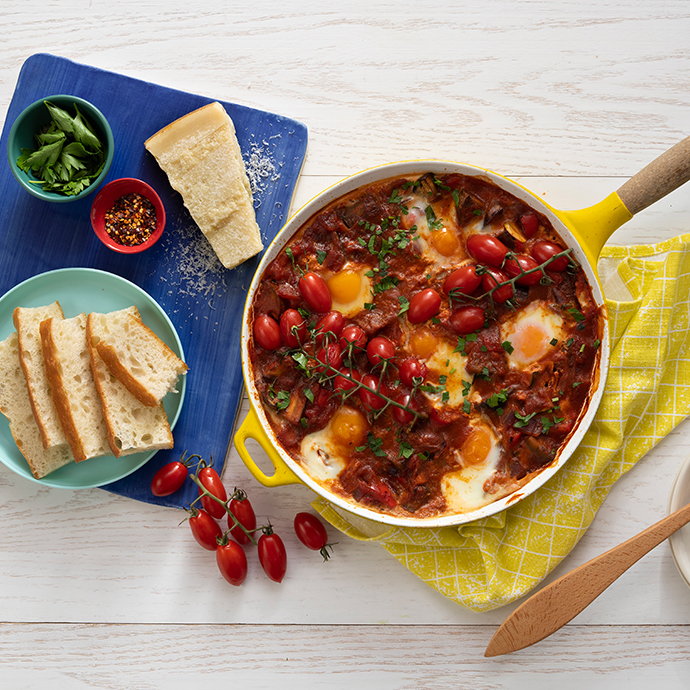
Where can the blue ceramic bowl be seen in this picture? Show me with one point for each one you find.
(36, 116)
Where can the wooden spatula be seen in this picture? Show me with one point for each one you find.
(554, 606)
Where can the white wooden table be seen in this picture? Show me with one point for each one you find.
(570, 99)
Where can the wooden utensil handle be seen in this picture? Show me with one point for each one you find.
(554, 606)
(664, 174)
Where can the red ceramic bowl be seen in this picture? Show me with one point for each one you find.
(107, 197)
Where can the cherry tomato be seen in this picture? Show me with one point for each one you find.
(272, 555)
(530, 224)
(379, 348)
(311, 532)
(543, 250)
(464, 279)
(232, 562)
(212, 483)
(331, 323)
(329, 356)
(486, 249)
(353, 334)
(205, 529)
(404, 416)
(242, 509)
(267, 332)
(293, 328)
(315, 292)
(424, 305)
(169, 479)
(526, 263)
(492, 278)
(371, 400)
(467, 320)
(411, 368)
(346, 382)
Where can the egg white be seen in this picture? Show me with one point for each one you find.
(463, 489)
(540, 319)
(321, 456)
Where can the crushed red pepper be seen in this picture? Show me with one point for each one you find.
(131, 220)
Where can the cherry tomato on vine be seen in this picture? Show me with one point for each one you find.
(543, 250)
(369, 399)
(526, 263)
(311, 532)
(467, 320)
(293, 328)
(267, 332)
(353, 334)
(205, 529)
(464, 279)
(411, 368)
(211, 481)
(486, 249)
(329, 327)
(423, 306)
(272, 555)
(346, 382)
(379, 348)
(329, 356)
(232, 562)
(169, 479)
(491, 279)
(315, 292)
(242, 509)
(530, 224)
(404, 416)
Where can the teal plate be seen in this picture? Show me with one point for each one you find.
(84, 290)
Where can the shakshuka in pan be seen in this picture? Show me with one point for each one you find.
(424, 345)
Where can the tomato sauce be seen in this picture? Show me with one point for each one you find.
(506, 372)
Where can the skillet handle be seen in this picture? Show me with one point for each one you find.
(251, 428)
(664, 174)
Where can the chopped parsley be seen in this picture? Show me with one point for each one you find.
(321, 257)
(523, 421)
(508, 347)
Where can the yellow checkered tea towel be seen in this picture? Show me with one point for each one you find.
(494, 561)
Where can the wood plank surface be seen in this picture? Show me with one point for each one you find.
(570, 100)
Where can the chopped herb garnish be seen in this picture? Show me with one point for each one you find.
(466, 407)
(404, 305)
(508, 347)
(553, 342)
(309, 395)
(321, 257)
(522, 421)
(597, 342)
(576, 314)
(497, 398)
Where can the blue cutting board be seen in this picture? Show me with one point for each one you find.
(203, 300)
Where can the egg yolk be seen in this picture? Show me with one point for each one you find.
(423, 343)
(477, 446)
(349, 427)
(530, 342)
(345, 286)
(444, 241)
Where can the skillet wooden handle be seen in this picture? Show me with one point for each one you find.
(664, 174)
(554, 606)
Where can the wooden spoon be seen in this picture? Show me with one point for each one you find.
(554, 606)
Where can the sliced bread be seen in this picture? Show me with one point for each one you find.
(27, 321)
(76, 399)
(16, 406)
(202, 159)
(131, 426)
(136, 356)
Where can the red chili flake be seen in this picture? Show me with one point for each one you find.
(131, 220)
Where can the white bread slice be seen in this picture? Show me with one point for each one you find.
(138, 358)
(26, 321)
(131, 426)
(15, 405)
(74, 392)
(200, 154)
